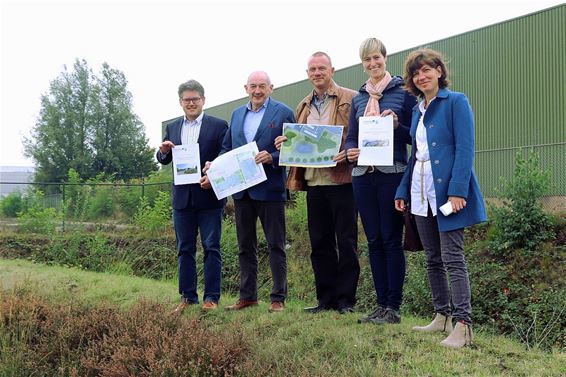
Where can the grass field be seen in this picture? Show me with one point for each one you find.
(291, 343)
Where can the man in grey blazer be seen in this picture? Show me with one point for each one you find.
(195, 208)
(261, 120)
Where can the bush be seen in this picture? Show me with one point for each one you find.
(38, 219)
(76, 197)
(157, 218)
(521, 221)
(11, 204)
(101, 204)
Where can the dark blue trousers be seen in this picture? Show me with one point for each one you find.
(187, 222)
(383, 225)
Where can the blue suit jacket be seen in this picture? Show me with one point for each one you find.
(271, 126)
(449, 123)
(211, 135)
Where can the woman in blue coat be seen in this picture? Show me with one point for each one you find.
(442, 132)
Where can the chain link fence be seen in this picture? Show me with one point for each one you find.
(85, 204)
(117, 203)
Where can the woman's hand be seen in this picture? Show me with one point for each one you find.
(395, 119)
(399, 205)
(340, 157)
(280, 140)
(458, 203)
(353, 154)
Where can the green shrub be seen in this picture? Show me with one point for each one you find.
(38, 219)
(11, 204)
(157, 218)
(128, 199)
(76, 197)
(101, 204)
(521, 221)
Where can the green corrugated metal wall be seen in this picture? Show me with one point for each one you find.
(514, 74)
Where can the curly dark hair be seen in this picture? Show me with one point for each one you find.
(415, 60)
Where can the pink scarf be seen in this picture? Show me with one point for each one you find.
(375, 93)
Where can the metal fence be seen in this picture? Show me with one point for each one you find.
(552, 158)
(117, 203)
(89, 203)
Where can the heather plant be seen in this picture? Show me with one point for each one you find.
(45, 339)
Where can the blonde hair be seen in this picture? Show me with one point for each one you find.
(372, 44)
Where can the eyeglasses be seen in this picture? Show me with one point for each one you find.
(191, 100)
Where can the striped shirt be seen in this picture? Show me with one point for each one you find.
(191, 130)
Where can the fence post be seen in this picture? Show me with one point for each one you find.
(142, 187)
(63, 205)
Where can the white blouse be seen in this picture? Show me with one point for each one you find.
(422, 182)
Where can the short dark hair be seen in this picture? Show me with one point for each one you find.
(192, 85)
(415, 60)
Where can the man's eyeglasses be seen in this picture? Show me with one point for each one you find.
(191, 100)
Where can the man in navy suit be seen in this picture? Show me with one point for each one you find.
(261, 120)
(195, 208)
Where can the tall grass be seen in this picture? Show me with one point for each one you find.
(58, 322)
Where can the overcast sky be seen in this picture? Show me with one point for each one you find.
(160, 43)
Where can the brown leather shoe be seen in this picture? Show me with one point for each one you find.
(182, 306)
(241, 304)
(276, 306)
(209, 305)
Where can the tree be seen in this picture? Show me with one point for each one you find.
(121, 148)
(60, 138)
(86, 123)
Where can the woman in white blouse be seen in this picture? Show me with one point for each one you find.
(442, 189)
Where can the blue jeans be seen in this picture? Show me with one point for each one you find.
(383, 225)
(188, 221)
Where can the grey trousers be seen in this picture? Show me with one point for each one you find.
(445, 253)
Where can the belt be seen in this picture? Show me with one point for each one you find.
(422, 179)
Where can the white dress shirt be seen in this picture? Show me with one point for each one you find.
(422, 182)
(190, 130)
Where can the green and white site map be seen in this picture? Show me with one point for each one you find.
(310, 145)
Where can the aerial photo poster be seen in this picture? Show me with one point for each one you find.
(310, 145)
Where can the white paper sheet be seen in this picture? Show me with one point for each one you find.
(186, 164)
(235, 171)
(375, 140)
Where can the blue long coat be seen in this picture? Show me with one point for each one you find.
(449, 123)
